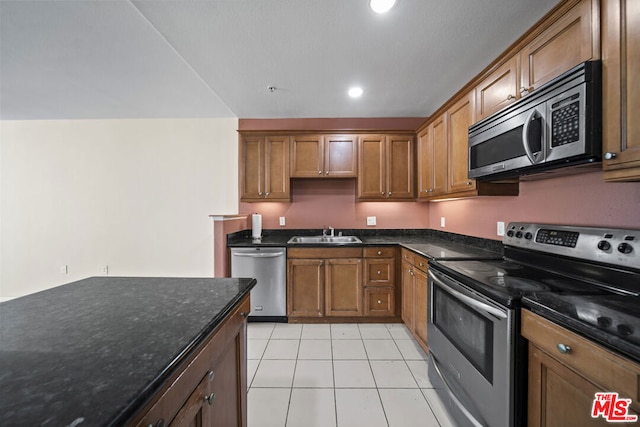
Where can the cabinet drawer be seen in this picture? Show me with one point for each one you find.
(378, 272)
(604, 368)
(408, 256)
(379, 252)
(379, 301)
(421, 263)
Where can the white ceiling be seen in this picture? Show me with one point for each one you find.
(63, 59)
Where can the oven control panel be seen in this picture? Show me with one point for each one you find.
(607, 245)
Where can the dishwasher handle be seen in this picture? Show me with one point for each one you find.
(258, 254)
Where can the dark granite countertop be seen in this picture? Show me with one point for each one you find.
(92, 352)
(433, 244)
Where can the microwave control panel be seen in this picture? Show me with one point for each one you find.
(565, 121)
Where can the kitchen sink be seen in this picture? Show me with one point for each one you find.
(324, 240)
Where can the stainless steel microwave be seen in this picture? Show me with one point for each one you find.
(558, 125)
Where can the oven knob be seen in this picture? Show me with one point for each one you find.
(625, 248)
(603, 245)
(528, 235)
(510, 233)
(604, 322)
(624, 330)
(519, 234)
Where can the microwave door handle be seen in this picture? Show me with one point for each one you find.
(525, 135)
(468, 300)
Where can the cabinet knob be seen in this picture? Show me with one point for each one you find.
(510, 97)
(382, 192)
(267, 194)
(411, 272)
(468, 182)
(379, 252)
(389, 193)
(259, 193)
(319, 172)
(379, 272)
(422, 264)
(159, 423)
(609, 156)
(379, 302)
(326, 173)
(524, 90)
(210, 398)
(244, 314)
(562, 348)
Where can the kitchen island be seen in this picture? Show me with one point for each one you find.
(112, 350)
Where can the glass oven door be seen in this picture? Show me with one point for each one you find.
(471, 345)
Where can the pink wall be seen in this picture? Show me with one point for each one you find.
(316, 203)
(223, 225)
(578, 200)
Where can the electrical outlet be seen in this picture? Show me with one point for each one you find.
(500, 228)
(442, 221)
(104, 270)
(371, 220)
(282, 221)
(64, 269)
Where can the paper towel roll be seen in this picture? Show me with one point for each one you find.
(256, 223)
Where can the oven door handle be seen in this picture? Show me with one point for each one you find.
(453, 397)
(467, 299)
(525, 138)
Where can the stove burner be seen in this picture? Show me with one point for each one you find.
(518, 283)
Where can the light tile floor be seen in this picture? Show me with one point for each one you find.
(339, 375)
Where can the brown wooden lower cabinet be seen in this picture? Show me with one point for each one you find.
(339, 284)
(210, 388)
(415, 295)
(562, 385)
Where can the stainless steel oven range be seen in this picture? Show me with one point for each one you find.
(477, 359)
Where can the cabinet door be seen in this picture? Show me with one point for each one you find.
(372, 167)
(251, 168)
(343, 287)
(420, 293)
(424, 159)
(498, 90)
(307, 156)
(379, 301)
(276, 168)
(227, 386)
(569, 41)
(620, 90)
(461, 116)
(400, 167)
(440, 157)
(558, 396)
(305, 287)
(196, 411)
(407, 295)
(341, 156)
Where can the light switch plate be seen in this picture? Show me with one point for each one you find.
(442, 221)
(371, 220)
(500, 228)
(282, 221)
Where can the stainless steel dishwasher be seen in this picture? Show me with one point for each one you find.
(269, 267)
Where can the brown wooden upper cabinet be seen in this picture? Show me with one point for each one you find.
(324, 156)
(621, 91)
(386, 168)
(264, 164)
(461, 116)
(433, 159)
(567, 38)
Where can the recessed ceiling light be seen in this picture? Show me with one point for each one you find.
(381, 6)
(355, 92)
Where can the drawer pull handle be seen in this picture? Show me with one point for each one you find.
(211, 375)
(244, 314)
(379, 272)
(564, 349)
(379, 252)
(159, 423)
(379, 302)
(210, 399)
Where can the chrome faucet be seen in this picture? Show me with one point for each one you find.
(329, 230)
